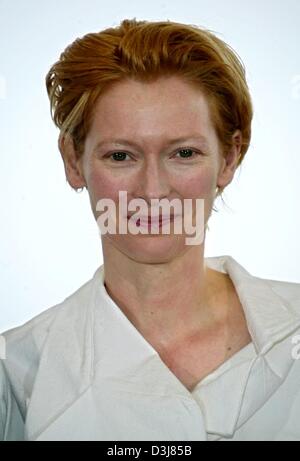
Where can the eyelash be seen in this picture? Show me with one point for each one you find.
(179, 150)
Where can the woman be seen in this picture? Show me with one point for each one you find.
(162, 343)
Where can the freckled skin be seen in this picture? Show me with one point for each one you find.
(149, 114)
(184, 309)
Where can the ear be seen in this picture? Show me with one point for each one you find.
(229, 163)
(72, 164)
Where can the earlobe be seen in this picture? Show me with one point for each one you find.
(71, 164)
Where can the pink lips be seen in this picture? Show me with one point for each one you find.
(146, 221)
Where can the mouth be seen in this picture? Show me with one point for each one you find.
(147, 221)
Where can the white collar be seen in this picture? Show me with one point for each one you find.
(94, 339)
(249, 384)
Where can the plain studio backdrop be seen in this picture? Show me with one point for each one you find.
(50, 244)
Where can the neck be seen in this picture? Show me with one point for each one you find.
(166, 302)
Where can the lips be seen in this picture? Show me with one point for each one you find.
(148, 220)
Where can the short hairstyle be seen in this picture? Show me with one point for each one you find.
(145, 50)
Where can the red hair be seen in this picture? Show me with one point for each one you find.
(146, 50)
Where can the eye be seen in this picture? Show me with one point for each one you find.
(118, 156)
(186, 153)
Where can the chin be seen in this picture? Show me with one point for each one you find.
(152, 249)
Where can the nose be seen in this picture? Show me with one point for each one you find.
(153, 181)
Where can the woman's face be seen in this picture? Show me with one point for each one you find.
(139, 123)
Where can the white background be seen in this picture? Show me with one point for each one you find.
(49, 240)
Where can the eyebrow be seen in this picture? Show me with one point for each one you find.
(125, 142)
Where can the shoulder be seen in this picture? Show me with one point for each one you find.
(287, 291)
(36, 330)
(24, 344)
(228, 269)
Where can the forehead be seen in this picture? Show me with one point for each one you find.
(168, 103)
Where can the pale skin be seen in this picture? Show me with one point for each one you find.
(188, 312)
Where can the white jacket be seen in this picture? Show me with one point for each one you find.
(11, 421)
(82, 371)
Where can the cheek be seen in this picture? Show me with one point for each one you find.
(197, 184)
(103, 185)
(200, 184)
(99, 186)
